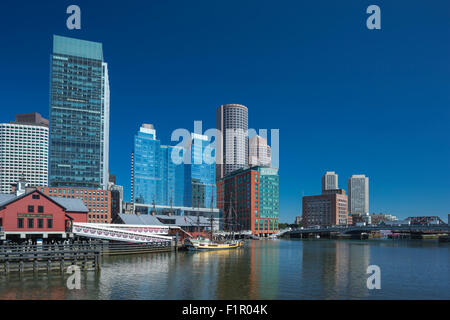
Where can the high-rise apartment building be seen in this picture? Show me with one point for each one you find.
(259, 153)
(200, 174)
(326, 209)
(24, 151)
(329, 181)
(232, 139)
(79, 115)
(156, 178)
(358, 194)
(254, 196)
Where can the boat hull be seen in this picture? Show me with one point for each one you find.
(199, 246)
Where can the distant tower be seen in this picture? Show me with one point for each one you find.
(232, 142)
(358, 194)
(329, 181)
(259, 153)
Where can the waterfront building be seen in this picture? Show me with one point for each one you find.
(24, 151)
(98, 202)
(79, 115)
(232, 139)
(156, 178)
(377, 218)
(329, 181)
(326, 209)
(358, 195)
(254, 194)
(28, 213)
(200, 174)
(298, 220)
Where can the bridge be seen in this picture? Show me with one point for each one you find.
(121, 232)
(411, 229)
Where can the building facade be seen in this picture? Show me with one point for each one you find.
(329, 181)
(326, 209)
(32, 214)
(24, 151)
(200, 174)
(156, 178)
(79, 115)
(98, 202)
(253, 194)
(358, 195)
(259, 152)
(232, 139)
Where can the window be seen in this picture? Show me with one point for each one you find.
(36, 196)
(49, 223)
(1, 222)
(40, 223)
(20, 223)
(30, 208)
(40, 209)
(30, 223)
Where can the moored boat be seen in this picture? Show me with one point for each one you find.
(207, 244)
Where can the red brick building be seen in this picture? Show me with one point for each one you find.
(327, 209)
(98, 202)
(254, 193)
(35, 215)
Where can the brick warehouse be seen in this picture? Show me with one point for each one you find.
(254, 193)
(98, 202)
(32, 214)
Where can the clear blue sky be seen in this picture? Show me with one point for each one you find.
(345, 98)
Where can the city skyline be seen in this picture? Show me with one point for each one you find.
(391, 144)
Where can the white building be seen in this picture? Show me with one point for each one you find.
(329, 181)
(259, 152)
(24, 152)
(232, 139)
(358, 194)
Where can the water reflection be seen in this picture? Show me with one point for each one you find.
(264, 269)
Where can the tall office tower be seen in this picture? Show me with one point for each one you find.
(232, 140)
(79, 115)
(200, 174)
(156, 178)
(259, 152)
(358, 194)
(24, 151)
(329, 181)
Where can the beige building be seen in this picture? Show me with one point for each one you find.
(326, 209)
(259, 152)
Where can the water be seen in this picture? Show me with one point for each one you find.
(265, 269)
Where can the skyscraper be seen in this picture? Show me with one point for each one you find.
(232, 140)
(24, 151)
(358, 194)
(79, 115)
(155, 177)
(259, 152)
(200, 174)
(329, 181)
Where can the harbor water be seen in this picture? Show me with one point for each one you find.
(262, 269)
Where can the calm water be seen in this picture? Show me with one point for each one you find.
(265, 269)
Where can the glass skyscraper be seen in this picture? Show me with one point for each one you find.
(156, 178)
(79, 115)
(200, 175)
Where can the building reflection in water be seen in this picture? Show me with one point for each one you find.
(334, 269)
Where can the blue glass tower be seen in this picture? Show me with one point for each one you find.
(200, 175)
(156, 178)
(79, 115)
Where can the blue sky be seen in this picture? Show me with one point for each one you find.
(345, 98)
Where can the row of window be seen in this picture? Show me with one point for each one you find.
(31, 224)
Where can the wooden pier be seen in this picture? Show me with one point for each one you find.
(50, 257)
